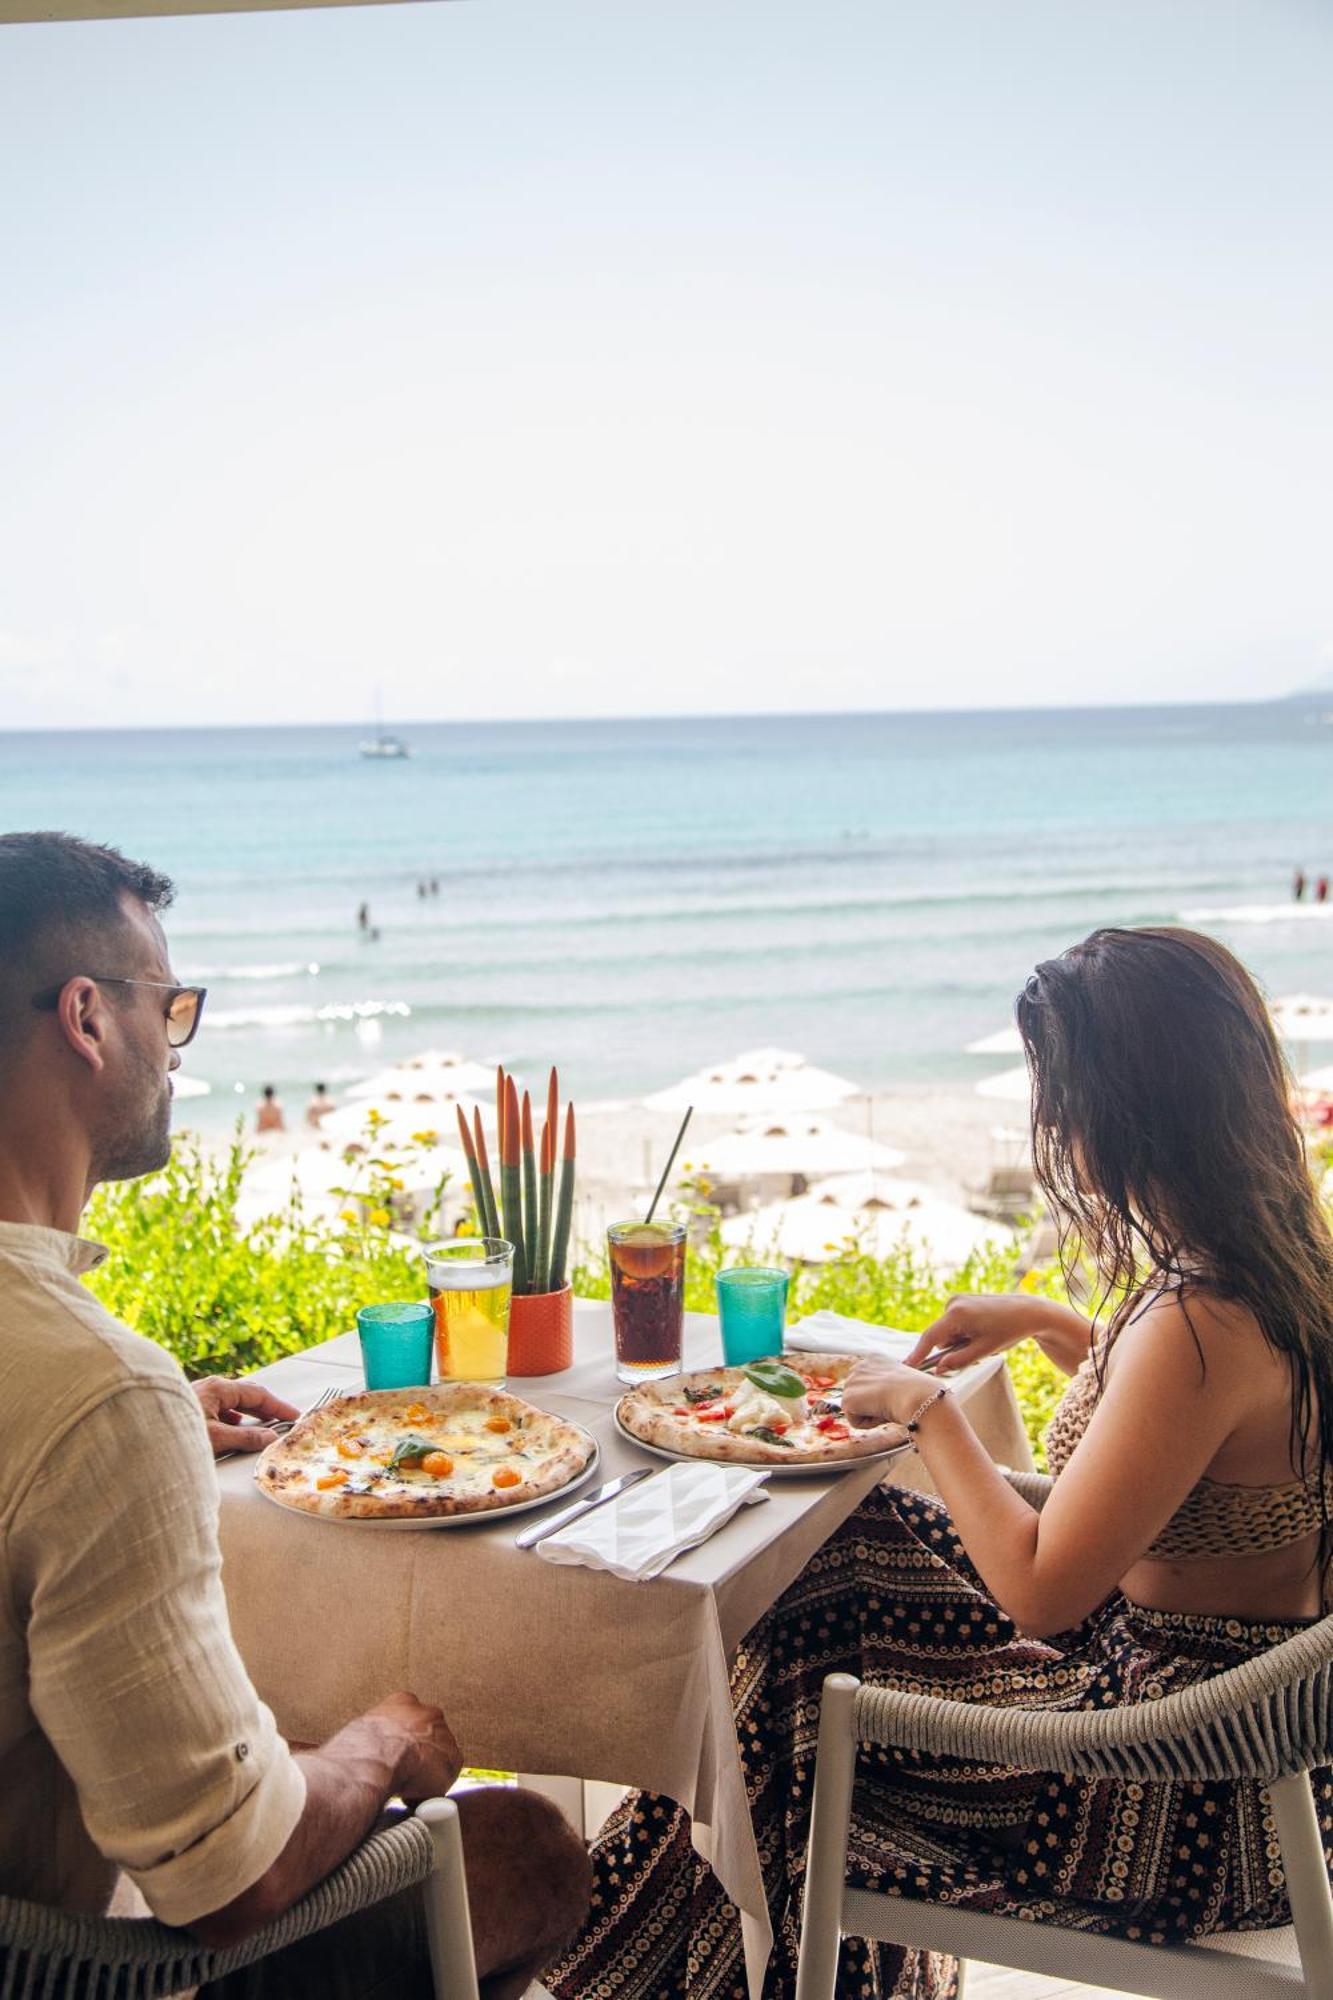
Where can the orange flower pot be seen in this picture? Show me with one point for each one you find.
(541, 1332)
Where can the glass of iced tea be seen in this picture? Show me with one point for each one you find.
(647, 1297)
(470, 1280)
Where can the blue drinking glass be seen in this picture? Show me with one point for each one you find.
(396, 1344)
(753, 1304)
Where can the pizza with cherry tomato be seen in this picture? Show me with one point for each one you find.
(784, 1411)
(418, 1454)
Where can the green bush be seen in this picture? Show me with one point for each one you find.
(226, 1297)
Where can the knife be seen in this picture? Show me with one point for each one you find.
(530, 1536)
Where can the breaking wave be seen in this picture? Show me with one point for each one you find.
(301, 1017)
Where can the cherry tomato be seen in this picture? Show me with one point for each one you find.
(335, 1478)
(438, 1464)
(506, 1476)
(497, 1423)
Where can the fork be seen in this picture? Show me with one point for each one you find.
(284, 1424)
(833, 1397)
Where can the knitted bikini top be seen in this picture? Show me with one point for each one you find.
(1214, 1519)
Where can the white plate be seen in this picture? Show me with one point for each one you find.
(491, 1514)
(802, 1471)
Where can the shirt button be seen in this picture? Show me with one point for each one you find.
(242, 1752)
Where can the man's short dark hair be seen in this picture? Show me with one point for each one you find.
(58, 894)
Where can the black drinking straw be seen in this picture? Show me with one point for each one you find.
(669, 1165)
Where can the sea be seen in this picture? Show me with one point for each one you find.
(633, 899)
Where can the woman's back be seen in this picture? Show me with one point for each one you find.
(1245, 1539)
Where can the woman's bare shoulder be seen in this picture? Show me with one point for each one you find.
(1221, 1332)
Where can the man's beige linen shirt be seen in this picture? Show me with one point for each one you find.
(130, 1736)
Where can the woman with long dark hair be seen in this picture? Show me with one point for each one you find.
(1188, 1528)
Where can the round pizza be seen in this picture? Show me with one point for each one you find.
(420, 1454)
(775, 1412)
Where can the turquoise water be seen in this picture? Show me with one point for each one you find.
(632, 899)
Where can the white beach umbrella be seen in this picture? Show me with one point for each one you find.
(802, 1144)
(1303, 1017)
(1319, 1082)
(319, 1171)
(190, 1086)
(870, 1191)
(435, 1075)
(1004, 1042)
(814, 1230)
(351, 1124)
(758, 1080)
(1014, 1086)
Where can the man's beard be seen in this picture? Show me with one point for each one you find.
(140, 1142)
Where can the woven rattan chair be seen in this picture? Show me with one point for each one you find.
(1270, 1719)
(46, 1954)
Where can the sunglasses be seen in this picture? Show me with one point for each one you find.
(183, 1010)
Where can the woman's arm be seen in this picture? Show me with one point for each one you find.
(1158, 1426)
(975, 1325)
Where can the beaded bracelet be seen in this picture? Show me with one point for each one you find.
(913, 1422)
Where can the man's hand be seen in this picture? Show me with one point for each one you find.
(429, 1759)
(225, 1403)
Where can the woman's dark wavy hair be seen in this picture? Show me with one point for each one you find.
(1164, 1140)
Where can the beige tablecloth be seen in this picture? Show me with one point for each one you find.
(539, 1667)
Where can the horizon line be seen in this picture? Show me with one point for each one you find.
(399, 724)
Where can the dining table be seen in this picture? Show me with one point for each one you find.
(541, 1667)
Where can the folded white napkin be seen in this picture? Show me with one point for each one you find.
(833, 1333)
(637, 1534)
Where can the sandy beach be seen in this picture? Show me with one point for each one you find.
(951, 1140)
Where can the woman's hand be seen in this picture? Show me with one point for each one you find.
(884, 1392)
(973, 1326)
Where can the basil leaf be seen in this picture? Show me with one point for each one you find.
(702, 1395)
(407, 1449)
(775, 1379)
(769, 1436)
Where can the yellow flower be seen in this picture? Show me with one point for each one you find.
(349, 1215)
(380, 1217)
(429, 1137)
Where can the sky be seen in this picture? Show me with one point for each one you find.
(596, 357)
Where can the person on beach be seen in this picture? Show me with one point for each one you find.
(319, 1106)
(1188, 1528)
(269, 1113)
(131, 1738)
(1321, 889)
(1298, 885)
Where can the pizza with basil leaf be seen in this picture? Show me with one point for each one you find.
(783, 1411)
(422, 1454)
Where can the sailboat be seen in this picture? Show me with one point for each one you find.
(383, 744)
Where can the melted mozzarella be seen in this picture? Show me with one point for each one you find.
(752, 1406)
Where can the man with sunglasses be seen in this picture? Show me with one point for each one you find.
(130, 1736)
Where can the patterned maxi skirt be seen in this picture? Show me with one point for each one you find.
(892, 1598)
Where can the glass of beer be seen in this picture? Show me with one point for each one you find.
(470, 1280)
(647, 1297)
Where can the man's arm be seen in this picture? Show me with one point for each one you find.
(135, 1680)
(402, 1746)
